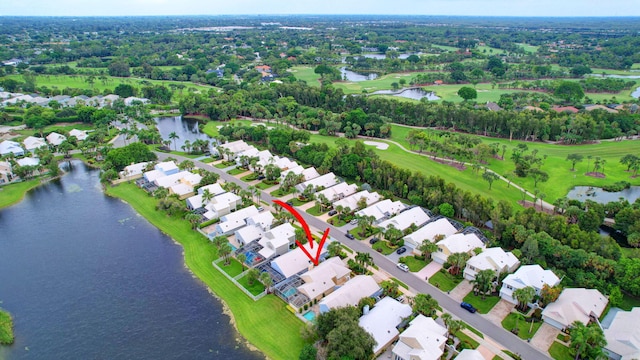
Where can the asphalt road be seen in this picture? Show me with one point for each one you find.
(489, 329)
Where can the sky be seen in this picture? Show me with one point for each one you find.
(265, 7)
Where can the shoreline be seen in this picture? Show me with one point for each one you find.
(6, 328)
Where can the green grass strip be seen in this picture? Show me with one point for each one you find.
(14, 193)
(6, 328)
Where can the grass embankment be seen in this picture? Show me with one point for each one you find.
(6, 328)
(14, 193)
(266, 323)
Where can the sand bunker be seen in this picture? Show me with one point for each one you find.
(379, 145)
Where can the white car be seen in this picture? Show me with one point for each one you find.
(354, 222)
(403, 267)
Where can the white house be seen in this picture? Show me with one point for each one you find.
(167, 167)
(308, 173)
(31, 143)
(350, 293)
(577, 304)
(469, 354)
(129, 101)
(196, 202)
(11, 147)
(6, 173)
(214, 189)
(381, 322)
(424, 339)
(527, 275)
(295, 261)
(277, 240)
(324, 181)
(495, 259)
(338, 191)
(28, 161)
(55, 139)
(234, 221)
(133, 171)
(255, 229)
(382, 209)
(441, 227)
(219, 205)
(416, 215)
(456, 243)
(235, 148)
(351, 201)
(623, 335)
(81, 135)
(324, 278)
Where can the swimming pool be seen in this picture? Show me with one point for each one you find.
(310, 315)
(289, 292)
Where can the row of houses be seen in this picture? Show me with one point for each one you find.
(99, 101)
(31, 143)
(7, 171)
(165, 175)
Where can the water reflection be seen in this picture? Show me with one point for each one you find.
(596, 194)
(185, 128)
(354, 76)
(415, 94)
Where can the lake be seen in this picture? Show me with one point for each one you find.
(85, 277)
(185, 128)
(349, 75)
(596, 194)
(415, 94)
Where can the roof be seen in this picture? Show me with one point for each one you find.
(415, 215)
(531, 275)
(236, 220)
(382, 320)
(430, 231)
(249, 233)
(493, 259)
(623, 334)
(263, 219)
(285, 231)
(28, 161)
(32, 142)
(181, 189)
(566, 109)
(470, 354)
(493, 106)
(350, 293)
(170, 180)
(352, 200)
(236, 146)
(600, 107)
(325, 181)
(9, 146)
(166, 166)
(323, 277)
(134, 169)
(576, 305)
(56, 139)
(382, 209)
(338, 191)
(423, 339)
(461, 243)
(295, 260)
(214, 189)
(79, 134)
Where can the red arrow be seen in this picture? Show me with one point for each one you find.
(307, 231)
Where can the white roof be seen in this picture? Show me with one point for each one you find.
(382, 209)
(32, 143)
(352, 200)
(170, 180)
(430, 231)
(576, 304)
(382, 320)
(350, 293)
(263, 219)
(284, 231)
(323, 277)
(79, 134)
(236, 146)
(9, 146)
(128, 101)
(494, 259)
(181, 189)
(308, 173)
(153, 175)
(166, 166)
(28, 161)
(415, 215)
(325, 181)
(249, 233)
(56, 139)
(424, 339)
(236, 220)
(338, 191)
(623, 334)
(134, 169)
(214, 189)
(295, 260)
(461, 243)
(470, 354)
(531, 275)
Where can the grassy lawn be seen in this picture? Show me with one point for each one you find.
(254, 319)
(523, 326)
(179, 153)
(223, 165)
(412, 262)
(467, 339)
(14, 193)
(483, 306)
(306, 73)
(233, 269)
(236, 171)
(629, 302)
(211, 127)
(264, 185)
(6, 328)
(356, 231)
(383, 247)
(560, 352)
(444, 281)
(298, 202)
(335, 221)
(315, 210)
(208, 160)
(256, 289)
(249, 177)
(281, 193)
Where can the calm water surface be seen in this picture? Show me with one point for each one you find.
(185, 128)
(85, 277)
(596, 194)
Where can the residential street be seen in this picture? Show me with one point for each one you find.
(477, 321)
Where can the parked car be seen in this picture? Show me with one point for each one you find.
(402, 250)
(349, 236)
(354, 222)
(467, 307)
(332, 212)
(261, 177)
(260, 208)
(403, 267)
(373, 240)
(290, 203)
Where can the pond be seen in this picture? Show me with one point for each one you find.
(414, 93)
(185, 128)
(86, 277)
(596, 194)
(349, 75)
(636, 93)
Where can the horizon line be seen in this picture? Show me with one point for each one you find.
(311, 14)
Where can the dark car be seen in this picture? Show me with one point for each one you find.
(261, 177)
(332, 212)
(467, 307)
(349, 236)
(373, 240)
(290, 203)
(402, 250)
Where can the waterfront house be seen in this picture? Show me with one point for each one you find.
(55, 139)
(457, 243)
(278, 240)
(221, 205)
(440, 227)
(495, 259)
(351, 201)
(382, 322)
(167, 167)
(324, 278)
(11, 147)
(424, 339)
(382, 209)
(527, 275)
(350, 293)
(255, 229)
(133, 171)
(6, 173)
(576, 304)
(622, 334)
(234, 149)
(32, 143)
(321, 182)
(415, 215)
(296, 262)
(28, 161)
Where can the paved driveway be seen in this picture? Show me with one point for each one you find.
(499, 312)
(428, 271)
(460, 291)
(544, 337)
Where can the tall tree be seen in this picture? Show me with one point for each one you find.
(524, 296)
(574, 158)
(173, 136)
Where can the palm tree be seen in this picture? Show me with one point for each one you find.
(483, 282)
(266, 280)
(425, 304)
(252, 276)
(224, 251)
(173, 136)
(193, 219)
(427, 248)
(587, 341)
(241, 259)
(453, 326)
(334, 248)
(524, 296)
(206, 196)
(364, 259)
(458, 261)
